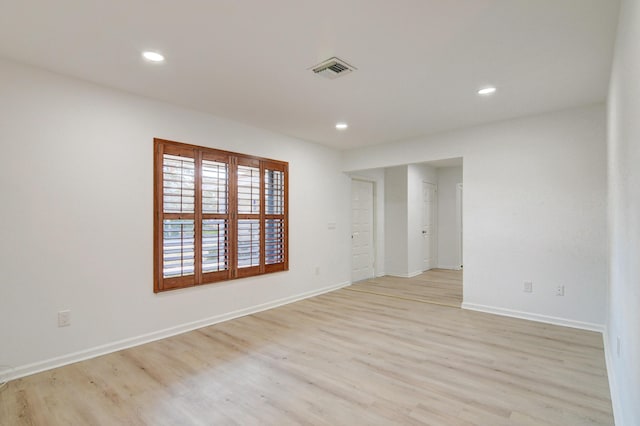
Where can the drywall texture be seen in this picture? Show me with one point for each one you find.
(624, 219)
(534, 209)
(77, 208)
(448, 233)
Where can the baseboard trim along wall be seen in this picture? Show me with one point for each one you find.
(453, 268)
(534, 317)
(405, 275)
(613, 389)
(37, 367)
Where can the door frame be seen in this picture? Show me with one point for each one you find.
(374, 223)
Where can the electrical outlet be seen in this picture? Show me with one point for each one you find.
(64, 318)
(560, 290)
(528, 287)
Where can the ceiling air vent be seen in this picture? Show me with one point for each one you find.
(333, 68)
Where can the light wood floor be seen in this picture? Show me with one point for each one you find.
(343, 358)
(439, 286)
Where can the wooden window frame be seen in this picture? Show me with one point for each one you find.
(233, 160)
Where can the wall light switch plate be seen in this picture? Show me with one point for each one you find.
(64, 318)
(528, 287)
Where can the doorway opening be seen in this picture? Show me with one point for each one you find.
(418, 248)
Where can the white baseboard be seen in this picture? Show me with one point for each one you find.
(405, 275)
(613, 389)
(534, 317)
(450, 267)
(26, 370)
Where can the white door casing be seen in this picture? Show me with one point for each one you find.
(428, 226)
(362, 246)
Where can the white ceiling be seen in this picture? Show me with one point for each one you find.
(419, 62)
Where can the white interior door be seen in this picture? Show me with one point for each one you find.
(428, 226)
(362, 249)
(460, 223)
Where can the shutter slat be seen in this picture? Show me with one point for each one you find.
(248, 192)
(215, 184)
(215, 250)
(178, 184)
(248, 244)
(274, 191)
(178, 248)
(274, 241)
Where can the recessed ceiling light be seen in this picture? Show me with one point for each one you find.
(153, 56)
(341, 126)
(487, 90)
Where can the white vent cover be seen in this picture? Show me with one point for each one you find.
(333, 68)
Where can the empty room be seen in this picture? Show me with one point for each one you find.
(419, 212)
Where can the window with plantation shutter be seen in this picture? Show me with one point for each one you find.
(218, 215)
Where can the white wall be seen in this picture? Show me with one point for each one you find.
(377, 177)
(623, 320)
(77, 205)
(403, 218)
(395, 224)
(534, 209)
(448, 236)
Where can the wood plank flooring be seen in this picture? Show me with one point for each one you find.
(343, 358)
(439, 286)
